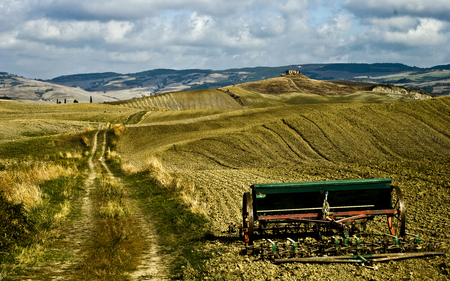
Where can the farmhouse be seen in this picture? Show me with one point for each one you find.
(293, 72)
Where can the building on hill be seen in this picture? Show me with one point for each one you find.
(293, 72)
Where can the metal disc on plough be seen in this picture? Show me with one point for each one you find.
(325, 222)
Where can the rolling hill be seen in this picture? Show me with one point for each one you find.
(215, 143)
(432, 80)
(19, 88)
(283, 90)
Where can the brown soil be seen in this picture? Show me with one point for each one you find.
(424, 195)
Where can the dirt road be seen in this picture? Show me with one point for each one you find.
(77, 238)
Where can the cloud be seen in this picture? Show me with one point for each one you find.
(427, 32)
(401, 25)
(438, 9)
(336, 27)
(138, 9)
(66, 36)
(74, 33)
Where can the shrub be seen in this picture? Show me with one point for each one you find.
(118, 129)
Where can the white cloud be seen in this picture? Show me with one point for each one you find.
(406, 32)
(51, 31)
(8, 40)
(429, 32)
(336, 27)
(134, 35)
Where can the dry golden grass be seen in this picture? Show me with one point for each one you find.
(186, 189)
(153, 117)
(64, 211)
(118, 129)
(86, 135)
(20, 183)
(21, 120)
(112, 155)
(114, 209)
(129, 169)
(299, 89)
(154, 167)
(110, 196)
(195, 203)
(186, 100)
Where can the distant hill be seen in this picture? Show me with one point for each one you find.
(434, 80)
(112, 86)
(18, 88)
(283, 90)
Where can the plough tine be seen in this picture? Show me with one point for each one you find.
(360, 258)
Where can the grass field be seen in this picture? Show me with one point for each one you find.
(189, 100)
(21, 120)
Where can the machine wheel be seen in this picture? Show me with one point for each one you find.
(247, 217)
(396, 222)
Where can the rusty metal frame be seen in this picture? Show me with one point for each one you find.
(355, 215)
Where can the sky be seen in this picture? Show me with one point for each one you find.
(44, 39)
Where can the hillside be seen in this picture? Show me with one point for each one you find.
(283, 90)
(18, 88)
(432, 80)
(187, 100)
(223, 154)
(299, 89)
(328, 133)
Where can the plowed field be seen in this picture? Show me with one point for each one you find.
(224, 154)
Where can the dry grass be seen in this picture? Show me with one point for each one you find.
(193, 200)
(115, 248)
(156, 169)
(118, 129)
(186, 189)
(20, 182)
(86, 135)
(129, 169)
(112, 155)
(114, 209)
(186, 100)
(110, 196)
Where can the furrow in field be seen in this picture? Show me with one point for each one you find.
(283, 142)
(301, 133)
(435, 115)
(375, 143)
(222, 191)
(403, 129)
